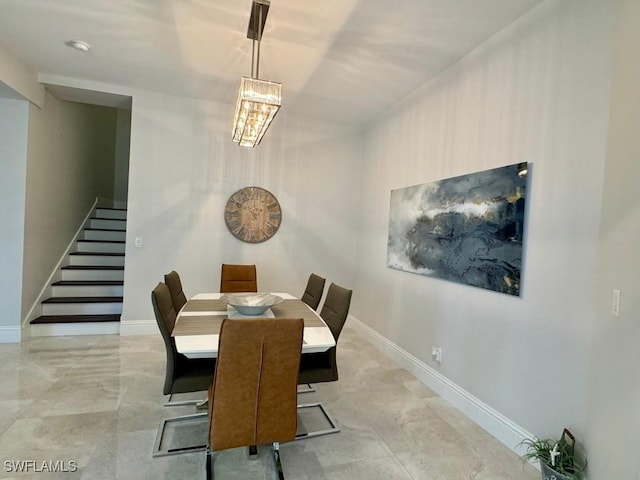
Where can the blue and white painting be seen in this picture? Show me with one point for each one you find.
(467, 229)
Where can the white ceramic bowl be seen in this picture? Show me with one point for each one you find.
(252, 303)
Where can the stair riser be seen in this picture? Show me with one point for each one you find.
(117, 214)
(108, 224)
(81, 308)
(92, 274)
(104, 235)
(88, 291)
(83, 260)
(101, 247)
(65, 329)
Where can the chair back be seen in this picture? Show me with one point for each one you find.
(166, 318)
(172, 279)
(253, 399)
(313, 292)
(238, 278)
(336, 308)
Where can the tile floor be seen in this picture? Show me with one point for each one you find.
(97, 401)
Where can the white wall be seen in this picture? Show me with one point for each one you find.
(183, 168)
(14, 117)
(537, 92)
(71, 162)
(614, 396)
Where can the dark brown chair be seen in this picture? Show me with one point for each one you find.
(313, 292)
(172, 280)
(182, 374)
(322, 367)
(253, 397)
(238, 278)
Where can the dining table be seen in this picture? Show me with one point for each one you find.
(197, 328)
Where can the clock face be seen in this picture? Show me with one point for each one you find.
(253, 215)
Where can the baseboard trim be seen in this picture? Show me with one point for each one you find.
(138, 327)
(10, 334)
(502, 428)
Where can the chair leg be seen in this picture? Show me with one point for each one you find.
(253, 451)
(276, 460)
(209, 465)
(307, 389)
(181, 403)
(317, 433)
(157, 452)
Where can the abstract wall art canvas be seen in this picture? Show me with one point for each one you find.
(467, 229)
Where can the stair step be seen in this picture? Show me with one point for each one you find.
(92, 272)
(118, 214)
(82, 305)
(100, 246)
(104, 234)
(108, 224)
(93, 267)
(106, 217)
(100, 229)
(74, 319)
(97, 287)
(99, 254)
(83, 300)
(96, 259)
(102, 241)
(82, 283)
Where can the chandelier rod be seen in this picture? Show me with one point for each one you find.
(260, 23)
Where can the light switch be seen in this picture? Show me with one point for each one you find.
(615, 304)
(138, 243)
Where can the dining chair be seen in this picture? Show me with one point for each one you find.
(252, 400)
(322, 367)
(172, 280)
(313, 291)
(182, 374)
(238, 278)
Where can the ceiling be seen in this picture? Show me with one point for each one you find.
(338, 60)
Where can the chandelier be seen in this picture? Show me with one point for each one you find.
(258, 100)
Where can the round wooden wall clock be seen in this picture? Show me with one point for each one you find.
(253, 214)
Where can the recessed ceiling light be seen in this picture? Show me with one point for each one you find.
(79, 45)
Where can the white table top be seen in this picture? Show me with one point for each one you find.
(315, 339)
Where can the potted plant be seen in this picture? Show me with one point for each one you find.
(556, 457)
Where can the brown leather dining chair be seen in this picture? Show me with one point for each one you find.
(253, 397)
(172, 280)
(182, 374)
(313, 291)
(323, 367)
(238, 278)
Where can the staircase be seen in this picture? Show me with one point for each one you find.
(88, 297)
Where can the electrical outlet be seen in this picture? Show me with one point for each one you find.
(615, 304)
(436, 354)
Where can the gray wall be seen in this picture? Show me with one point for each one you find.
(13, 169)
(121, 173)
(613, 436)
(70, 163)
(538, 92)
